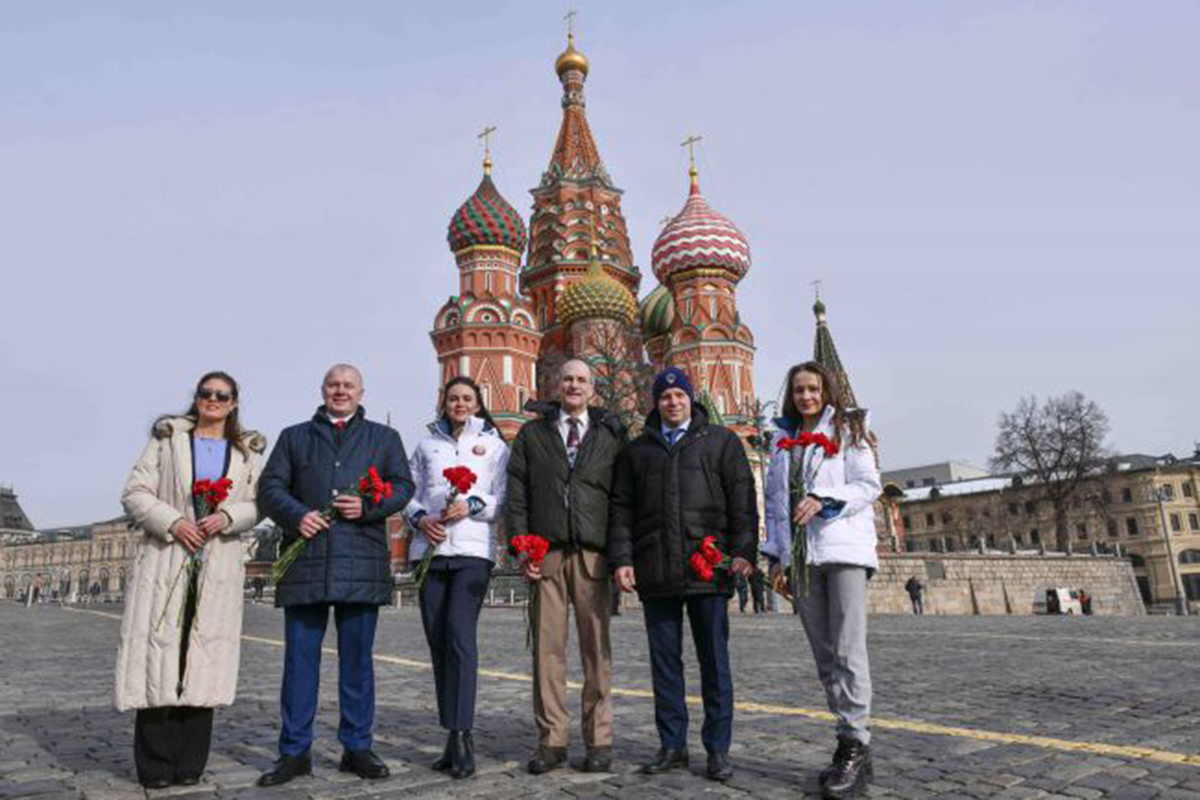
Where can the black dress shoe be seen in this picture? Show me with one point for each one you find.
(364, 764)
(719, 768)
(462, 756)
(666, 761)
(443, 764)
(599, 759)
(546, 759)
(156, 783)
(286, 768)
(850, 772)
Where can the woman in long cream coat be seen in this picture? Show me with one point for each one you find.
(180, 634)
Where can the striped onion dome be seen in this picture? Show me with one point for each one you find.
(656, 312)
(486, 219)
(597, 295)
(700, 238)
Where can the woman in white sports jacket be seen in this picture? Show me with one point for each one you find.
(463, 533)
(821, 483)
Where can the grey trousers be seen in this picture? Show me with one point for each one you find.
(835, 619)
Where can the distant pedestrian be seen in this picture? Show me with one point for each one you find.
(682, 481)
(821, 484)
(345, 567)
(462, 531)
(758, 591)
(181, 628)
(1085, 602)
(914, 588)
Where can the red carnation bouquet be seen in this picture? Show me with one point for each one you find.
(707, 559)
(461, 480)
(535, 548)
(207, 497)
(797, 493)
(370, 486)
(804, 439)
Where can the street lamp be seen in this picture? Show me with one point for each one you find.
(1161, 496)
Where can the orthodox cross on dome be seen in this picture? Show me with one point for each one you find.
(570, 20)
(486, 135)
(690, 143)
(816, 288)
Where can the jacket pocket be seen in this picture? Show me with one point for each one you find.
(648, 562)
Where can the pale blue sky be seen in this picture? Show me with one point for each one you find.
(1002, 199)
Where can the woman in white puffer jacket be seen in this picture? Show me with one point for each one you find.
(463, 533)
(822, 482)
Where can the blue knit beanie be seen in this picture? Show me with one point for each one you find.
(672, 378)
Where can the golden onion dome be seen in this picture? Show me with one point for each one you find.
(571, 59)
(597, 296)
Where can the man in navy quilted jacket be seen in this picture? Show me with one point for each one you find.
(316, 466)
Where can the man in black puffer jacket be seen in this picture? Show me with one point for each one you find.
(681, 481)
(346, 565)
(559, 476)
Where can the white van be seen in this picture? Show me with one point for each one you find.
(1058, 600)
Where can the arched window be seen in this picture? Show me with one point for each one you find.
(1137, 561)
(1189, 557)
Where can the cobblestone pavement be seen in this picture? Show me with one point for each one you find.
(965, 708)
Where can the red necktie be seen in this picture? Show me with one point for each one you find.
(340, 424)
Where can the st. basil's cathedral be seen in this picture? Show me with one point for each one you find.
(511, 324)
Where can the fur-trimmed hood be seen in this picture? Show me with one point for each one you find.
(167, 426)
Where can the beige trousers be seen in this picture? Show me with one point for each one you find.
(580, 579)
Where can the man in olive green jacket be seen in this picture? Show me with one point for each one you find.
(559, 478)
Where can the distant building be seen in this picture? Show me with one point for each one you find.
(74, 563)
(933, 474)
(14, 525)
(1145, 506)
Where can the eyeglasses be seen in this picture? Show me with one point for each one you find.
(213, 394)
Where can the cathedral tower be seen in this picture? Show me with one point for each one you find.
(575, 194)
(699, 258)
(825, 354)
(487, 331)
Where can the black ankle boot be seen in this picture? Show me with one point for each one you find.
(444, 763)
(850, 772)
(462, 757)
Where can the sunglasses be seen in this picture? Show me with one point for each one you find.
(213, 394)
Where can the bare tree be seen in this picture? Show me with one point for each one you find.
(623, 377)
(1059, 444)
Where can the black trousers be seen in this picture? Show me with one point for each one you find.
(172, 742)
(450, 602)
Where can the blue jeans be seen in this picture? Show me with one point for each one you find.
(709, 618)
(304, 631)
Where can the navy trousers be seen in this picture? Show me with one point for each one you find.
(709, 618)
(304, 631)
(450, 603)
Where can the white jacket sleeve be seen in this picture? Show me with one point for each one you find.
(863, 485)
(420, 498)
(140, 496)
(775, 501)
(493, 495)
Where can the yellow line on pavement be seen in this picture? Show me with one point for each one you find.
(907, 725)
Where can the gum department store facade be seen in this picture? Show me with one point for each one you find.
(566, 286)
